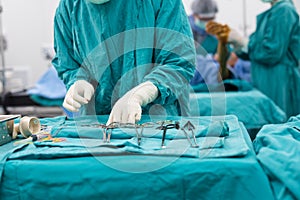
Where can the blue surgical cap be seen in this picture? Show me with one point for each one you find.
(204, 8)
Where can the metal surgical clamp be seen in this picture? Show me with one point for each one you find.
(107, 131)
(296, 128)
(190, 127)
(165, 128)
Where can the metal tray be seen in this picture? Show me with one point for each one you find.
(7, 128)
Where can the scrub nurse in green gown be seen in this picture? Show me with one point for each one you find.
(274, 51)
(124, 57)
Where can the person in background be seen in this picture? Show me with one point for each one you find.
(124, 58)
(206, 44)
(274, 52)
(240, 68)
(203, 11)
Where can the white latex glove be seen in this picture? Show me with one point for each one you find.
(78, 94)
(128, 108)
(237, 40)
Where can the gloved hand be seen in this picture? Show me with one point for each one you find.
(237, 40)
(78, 94)
(128, 108)
(219, 30)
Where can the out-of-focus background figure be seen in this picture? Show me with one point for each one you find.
(214, 50)
(274, 51)
(202, 12)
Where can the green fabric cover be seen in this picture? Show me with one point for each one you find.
(238, 85)
(45, 101)
(278, 151)
(252, 107)
(84, 168)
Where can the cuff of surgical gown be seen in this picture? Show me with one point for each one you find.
(84, 75)
(163, 95)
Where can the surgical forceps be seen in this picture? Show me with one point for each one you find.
(190, 127)
(139, 135)
(296, 128)
(107, 130)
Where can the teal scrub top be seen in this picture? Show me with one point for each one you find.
(274, 51)
(204, 42)
(120, 44)
(209, 44)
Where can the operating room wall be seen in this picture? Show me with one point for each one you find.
(28, 27)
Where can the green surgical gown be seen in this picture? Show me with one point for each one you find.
(122, 43)
(274, 51)
(209, 45)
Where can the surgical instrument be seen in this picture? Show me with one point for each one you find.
(164, 128)
(190, 127)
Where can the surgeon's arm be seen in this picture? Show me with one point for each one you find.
(221, 32)
(65, 61)
(174, 54)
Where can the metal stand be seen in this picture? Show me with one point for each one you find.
(245, 26)
(3, 69)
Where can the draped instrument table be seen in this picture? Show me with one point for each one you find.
(83, 166)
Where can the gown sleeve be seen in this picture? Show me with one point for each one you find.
(270, 43)
(174, 53)
(66, 62)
